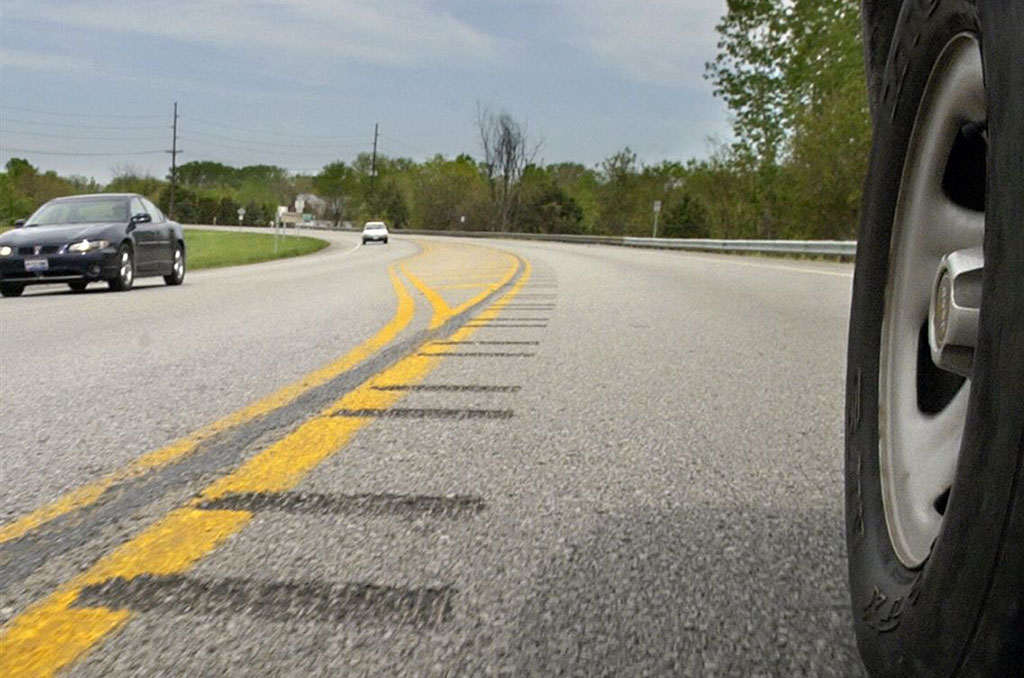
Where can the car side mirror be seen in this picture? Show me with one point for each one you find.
(141, 218)
(19, 223)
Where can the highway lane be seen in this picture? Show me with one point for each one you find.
(91, 381)
(634, 467)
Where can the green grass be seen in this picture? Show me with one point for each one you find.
(213, 249)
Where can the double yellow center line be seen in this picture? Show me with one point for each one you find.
(53, 633)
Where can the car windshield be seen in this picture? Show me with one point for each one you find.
(80, 212)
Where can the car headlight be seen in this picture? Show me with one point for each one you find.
(6, 251)
(84, 246)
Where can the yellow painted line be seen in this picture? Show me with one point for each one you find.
(441, 310)
(52, 634)
(467, 286)
(89, 494)
(509, 274)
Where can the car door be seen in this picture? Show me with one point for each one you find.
(146, 241)
(163, 246)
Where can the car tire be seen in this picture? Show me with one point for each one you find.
(126, 270)
(11, 289)
(78, 286)
(177, 275)
(954, 607)
(385, 241)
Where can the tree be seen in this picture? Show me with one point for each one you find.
(130, 179)
(506, 156)
(335, 183)
(446, 191)
(545, 206)
(207, 174)
(618, 201)
(685, 217)
(791, 73)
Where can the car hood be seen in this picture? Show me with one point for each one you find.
(54, 235)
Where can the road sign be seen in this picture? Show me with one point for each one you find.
(657, 206)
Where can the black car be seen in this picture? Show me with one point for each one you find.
(112, 237)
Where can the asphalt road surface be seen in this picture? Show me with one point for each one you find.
(435, 457)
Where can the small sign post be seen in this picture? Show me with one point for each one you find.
(657, 211)
(241, 215)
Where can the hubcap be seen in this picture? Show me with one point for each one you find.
(126, 267)
(931, 303)
(179, 264)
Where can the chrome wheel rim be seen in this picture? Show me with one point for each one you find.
(919, 446)
(179, 265)
(127, 271)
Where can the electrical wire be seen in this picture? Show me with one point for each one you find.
(271, 132)
(77, 136)
(247, 142)
(8, 151)
(47, 123)
(81, 115)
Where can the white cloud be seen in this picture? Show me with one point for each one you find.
(654, 41)
(390, 32)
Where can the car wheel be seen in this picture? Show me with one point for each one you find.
(126, 270)
(78, 286)
(935, 373)
(177, 275)
(11, 290)
(385, 241)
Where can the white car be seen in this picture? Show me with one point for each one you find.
(375, 231)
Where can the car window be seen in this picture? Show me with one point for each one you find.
(137, 207)
(81, 212)
(154, 211)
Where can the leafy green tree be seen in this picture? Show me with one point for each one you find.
(450, 194)
(207, 174)
(619, 203)
(335, 184)
(545, 207)
(685, 217)
(227, 211)
(206, 209)
(132, 180)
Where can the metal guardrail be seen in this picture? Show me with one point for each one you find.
(826, 248)
(831, 248)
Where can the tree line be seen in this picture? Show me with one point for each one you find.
(790, 72)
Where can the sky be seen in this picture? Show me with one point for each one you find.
(87, 86)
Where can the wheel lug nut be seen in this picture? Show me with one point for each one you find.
(954, 309)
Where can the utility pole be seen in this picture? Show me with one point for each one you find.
(373, 163)
(174, 160)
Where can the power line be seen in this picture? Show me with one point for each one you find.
(271, 132)
(48, 123)
(247, 142)
(9, 150)
(254, 149)
(77, 136)
(80, 115)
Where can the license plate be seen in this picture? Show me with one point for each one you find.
(37, 264)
